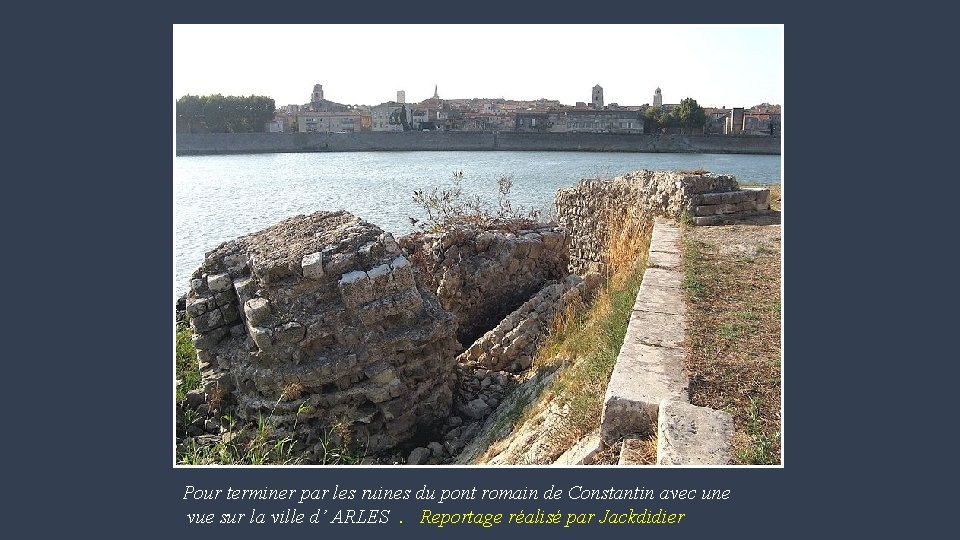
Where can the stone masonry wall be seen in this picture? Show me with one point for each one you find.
(480, 276)
(511, 345)
(248, 143)
(583, 209)
(319, 321)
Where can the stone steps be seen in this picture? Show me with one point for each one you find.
(648, 389)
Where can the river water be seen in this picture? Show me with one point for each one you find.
(217, 198)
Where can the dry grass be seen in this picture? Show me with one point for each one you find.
(732, 285)
(592, 337)
(638, 452)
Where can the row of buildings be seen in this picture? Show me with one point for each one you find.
(478, 114)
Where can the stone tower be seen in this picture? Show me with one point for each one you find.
(435, 95)
(401, 96)
(597, 98)
(317, 95)
(657, 98)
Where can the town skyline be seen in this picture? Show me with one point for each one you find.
(718, 65)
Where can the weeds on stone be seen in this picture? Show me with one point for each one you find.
(449, 208)
(253, 444)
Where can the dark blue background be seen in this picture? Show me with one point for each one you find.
(100, 414)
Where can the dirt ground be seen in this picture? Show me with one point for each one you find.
(733, 286)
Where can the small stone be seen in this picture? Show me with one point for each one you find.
(476, 409)
(257, 311)
(211, 426)
(219, 282)
(194, 398)
(419, 456)
(437, 449)
(312, 265)
(454, 421)
(196, 306)
(262, 337)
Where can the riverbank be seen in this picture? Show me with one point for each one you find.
(265, 143)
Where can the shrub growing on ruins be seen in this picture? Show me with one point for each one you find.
(447, 208)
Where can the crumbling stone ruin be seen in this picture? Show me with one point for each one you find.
(319, 321)
(323, 321)
(480, 276)
(704, 198)
(326, 325)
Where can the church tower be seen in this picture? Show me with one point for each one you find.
(596, 99)
(657, 98)
(317, 95)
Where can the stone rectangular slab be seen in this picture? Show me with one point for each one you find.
(692, 435)
(656, 328)
(729, 197)
(664, 259)
(658, 294)
(642, 377)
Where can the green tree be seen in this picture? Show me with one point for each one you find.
(690, 114)
(223, 114)
(399, 116)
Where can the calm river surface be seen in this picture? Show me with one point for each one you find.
(217, 198)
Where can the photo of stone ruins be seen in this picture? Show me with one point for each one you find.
(323, 340)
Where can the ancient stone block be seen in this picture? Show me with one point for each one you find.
(263, 337)
(257, 311)
(206, 322)
(196, 306)
(312, 265)
(219, 282)
(692, 435)
(246, 288)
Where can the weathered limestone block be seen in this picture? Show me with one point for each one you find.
(692, 435)
(257, 311)
(219, 282)
(337, 331)
(312, 265)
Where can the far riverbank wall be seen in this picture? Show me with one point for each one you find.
(254, 143)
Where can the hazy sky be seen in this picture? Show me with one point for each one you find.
(718, 65)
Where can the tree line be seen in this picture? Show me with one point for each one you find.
(223, 114)
(688, 114)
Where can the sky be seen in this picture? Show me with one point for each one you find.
(717, 65)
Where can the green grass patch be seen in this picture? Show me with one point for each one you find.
(188, 371)
(760, 451)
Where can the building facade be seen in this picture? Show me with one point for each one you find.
(330, 122)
